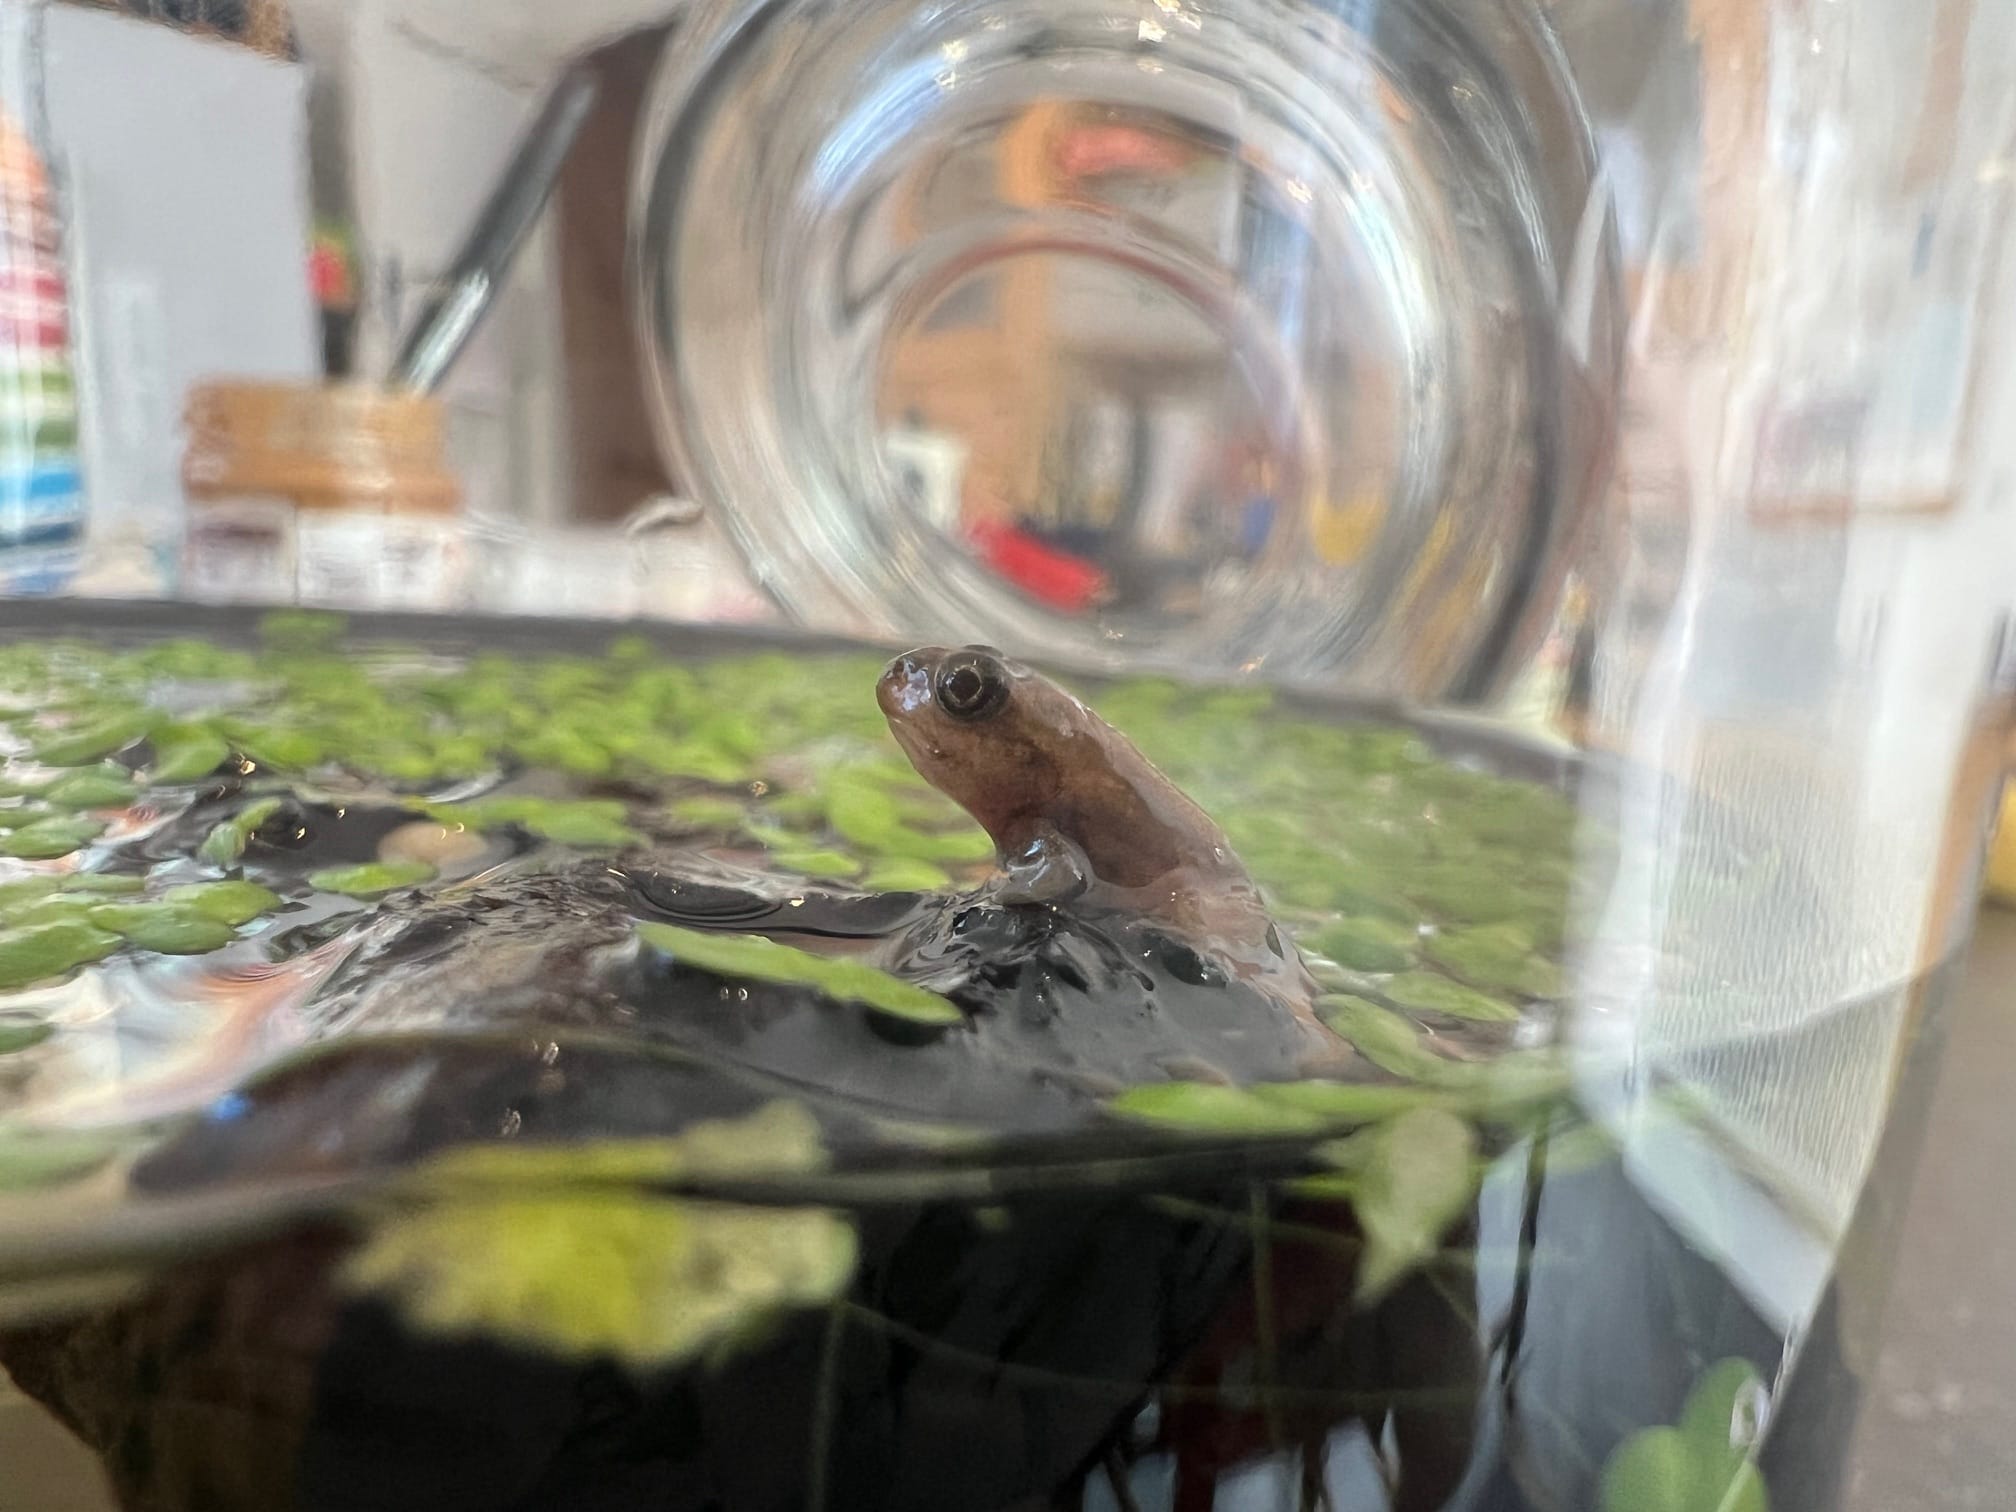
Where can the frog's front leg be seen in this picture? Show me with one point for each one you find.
(1041, 865)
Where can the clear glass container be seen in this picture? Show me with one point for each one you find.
(1269, 334)
(1470, 1013)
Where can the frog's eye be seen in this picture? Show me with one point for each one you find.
(972, 685)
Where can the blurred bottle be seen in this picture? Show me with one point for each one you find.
(41, 496)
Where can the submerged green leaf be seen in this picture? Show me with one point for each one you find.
(33, 1158)
(761, 959)
(1414, 1179)
(1664, 1470)
(227, 842)
(373, 878)
(19, 1035)
(566, 1250)
(37, 952)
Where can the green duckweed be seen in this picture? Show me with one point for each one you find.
(372, 879)
(104, 787)
(165, 928)
(227, 842)
(900, 874)
(22, 1035)
(38, 952)
(757, 958)
(1367, 944)
(232, 902)
(1424, 992)
(52, 839)
(185, 753)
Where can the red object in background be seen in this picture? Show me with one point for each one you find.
(1050, 576)
(329, 273)
(1088, 151)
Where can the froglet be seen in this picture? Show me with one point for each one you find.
(1078, 814)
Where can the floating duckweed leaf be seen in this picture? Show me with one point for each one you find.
(1702, 1465)
(762, 959)
(104, 884)
(1367, 944)
(705, 812)
(1414, 1177)
(13, 894)
(691, 759)
(819, 863)
(956, 847)
(1468, 894)
(1386, 1039)
(1208, 1109)
(227, 842)
(373, 878)
(57, 908)
(1499, 957)
(232, 902)
(185, 753)
(165, 928)
(552, 1249)
(1424, 992)
(47, 839)
(584, 822)
(900, 874)
(796, 810)
(17, 1035)
(867, 817)
(99, 788)
(96, 738)
(1350, 1102)
(273, 746)
(37, 952)
(775, 836)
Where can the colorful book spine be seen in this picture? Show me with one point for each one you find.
(41, 486)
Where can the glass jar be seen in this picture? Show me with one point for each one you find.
(321, 495)
(1272, 334)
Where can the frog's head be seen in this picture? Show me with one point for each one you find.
(993, 736)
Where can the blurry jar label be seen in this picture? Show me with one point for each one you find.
(386, 561)
(240, 552)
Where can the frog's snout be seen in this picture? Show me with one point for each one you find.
(905, 685)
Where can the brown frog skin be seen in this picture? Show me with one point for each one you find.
(1076, 812)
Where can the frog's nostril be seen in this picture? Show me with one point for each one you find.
(905, 683)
